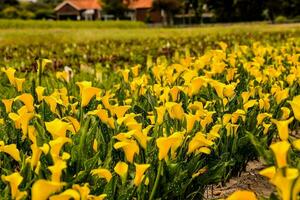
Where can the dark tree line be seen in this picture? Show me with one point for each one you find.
(224, 10)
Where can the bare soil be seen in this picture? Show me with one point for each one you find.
(249, 180)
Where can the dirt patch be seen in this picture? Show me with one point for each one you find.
(249, 180)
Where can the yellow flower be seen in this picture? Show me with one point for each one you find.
(284, 182)
(121, 169)
(103, 116)
(52, 102)
(261, 116)
(199, 140)
(10, 73)
(280, 150)
(242, 195)
(296, 106)
(135, 70)
(140, 170)
(102, 173)
(87, 94)
(43, 64)
(174, 91)
(214, 132)
(172, 142)
(196, 84)
(64, 76)
(283, 127)
(56, 146)
(296, 144)
(266, 127)
(281, 95)
(245, 96)
(120, 111)
(130, 148)
(160, 114)
(40, 91)
(249, 104)
(268, 172)
(229, 90)
(219, 88)
(125, 74)
(21, 119)
(28, 100)
(190, 121)
(66, 195)
(285, 112)
(14, 181)
(42, 189)
(74, 125)
(11, 150)
(56, 170)
(7, 103)
(57, 128)
(19, 84)
(175, 110)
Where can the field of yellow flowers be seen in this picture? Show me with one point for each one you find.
(163, 130)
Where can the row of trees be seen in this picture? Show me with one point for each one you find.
(224, 10)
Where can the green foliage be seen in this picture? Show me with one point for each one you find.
(280, 19)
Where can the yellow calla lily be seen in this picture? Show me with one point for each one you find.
(66, 195)
(295, 104)
(283, 127)
(57, 128)
(102, 173)
(120, 111)
(8, 104)
(175, 110)
(40, 92)
(28, 100)
(56, 146)
(130, 148)
(42, 189)
(190, 121)
(284, 182)
(11, 150)
(121, 169)
(56, 169)
(280, 150)
(10, 73)
(22, 120)
(285, 112)
(268, 172)
(242, 195)
(199, 140)
(87, 94)
(14, 181)
(140, 170)
(160, 114)
(172, 142)
(19, 84)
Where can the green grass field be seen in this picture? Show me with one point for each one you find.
(78, 32)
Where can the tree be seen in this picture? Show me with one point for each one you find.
(114, 7)
(169, 8)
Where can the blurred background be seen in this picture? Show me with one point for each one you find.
(165, 12)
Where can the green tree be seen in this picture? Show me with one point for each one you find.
(114, 7)
(169, 8)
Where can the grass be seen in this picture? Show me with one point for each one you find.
(43, 24)
(64, 32)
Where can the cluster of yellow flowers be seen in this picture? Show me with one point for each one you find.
(160, 120)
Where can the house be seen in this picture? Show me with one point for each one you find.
(79, 10)
(142, 10)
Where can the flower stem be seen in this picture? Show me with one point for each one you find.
(156, 180)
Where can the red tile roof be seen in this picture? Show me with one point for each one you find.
(140, 4)
(81, 4)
